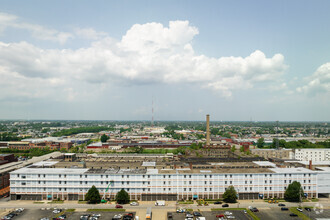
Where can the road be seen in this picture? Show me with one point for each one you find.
(6, 203)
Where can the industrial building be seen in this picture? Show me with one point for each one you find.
(161, 178)
(274, 153)
(314, 154)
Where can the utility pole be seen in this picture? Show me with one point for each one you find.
(152, 112)
(277, 138)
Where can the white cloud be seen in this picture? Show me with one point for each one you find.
(90, 33)
(37, 31)
(147, 53)
(319, 82)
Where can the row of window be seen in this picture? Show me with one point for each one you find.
(164, 176)
(184, 189)
(169, 182)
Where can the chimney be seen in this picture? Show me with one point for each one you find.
(310, 165)
(207, 130)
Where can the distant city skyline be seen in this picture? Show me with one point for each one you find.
(109, 60)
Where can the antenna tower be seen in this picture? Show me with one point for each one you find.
(277, 140)
(152, 112)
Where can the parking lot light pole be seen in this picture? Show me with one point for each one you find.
(238, 198)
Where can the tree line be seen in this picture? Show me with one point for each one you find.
(71, 131)
(293, 144)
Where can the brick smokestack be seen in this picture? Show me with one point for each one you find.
(310, 165)
(207, 130)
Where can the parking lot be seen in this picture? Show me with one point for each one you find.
(211, 215)
(104, 215)
(318, 213)
(37, 214)
(274, 213)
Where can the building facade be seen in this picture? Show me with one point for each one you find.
(273, 153)
(37, 183)
(313, 154)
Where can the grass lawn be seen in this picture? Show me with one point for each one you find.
(38, 202)
(82, 202)
(187, 202)
(300, 214)
(56, 202)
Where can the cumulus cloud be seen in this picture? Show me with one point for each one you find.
(319, 82)
(37, 31)
(90, 33)
(147, 54)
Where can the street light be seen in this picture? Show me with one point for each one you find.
(238, 197)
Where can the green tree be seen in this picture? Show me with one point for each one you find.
(93, 195)
(230, 195)
(214, 131)
(260, 142)
(294, 192)
(104, 138)
(281, 143)
(137, 150)
(122, 197)
(233, 149)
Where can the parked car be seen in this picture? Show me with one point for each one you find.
(225, 205)
(189, 215)
(228, 213)
(308, 209)
(181, 210)
(293, 215)
(254, 209)
(84, 217)
(56, 211)
(116, 217)
(197, 214)
(169, 216)
(299, 209)
(134, 204)
(19, 210)
(245, 212)
(284, 209)
(230, 216)
(127, 217)
(220, 216)
(119, 206)
(281, 204)
(62, 217)
(217, 203)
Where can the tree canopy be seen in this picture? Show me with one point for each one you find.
(104, 138)
(93, 195)
(294, 192)
(67, 132)
(122, 197)
(230, 195)
(260, 142)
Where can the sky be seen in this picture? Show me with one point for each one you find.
(110, 60)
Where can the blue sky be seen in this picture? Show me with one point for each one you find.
(236, 60)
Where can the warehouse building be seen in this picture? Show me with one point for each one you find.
(156, 178)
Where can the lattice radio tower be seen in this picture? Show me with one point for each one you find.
(152, 112)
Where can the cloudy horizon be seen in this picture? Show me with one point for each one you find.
(188, 62)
